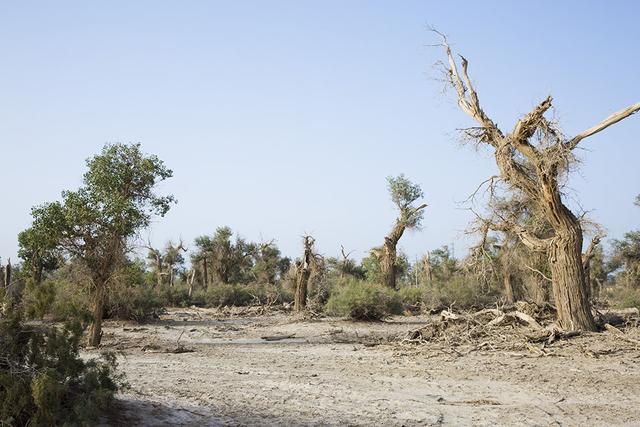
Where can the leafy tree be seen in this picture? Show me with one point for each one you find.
(268, 264)
(96, 223)
(38, 250)
(625, 257)
(404, 194)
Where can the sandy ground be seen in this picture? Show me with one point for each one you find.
(336, 372)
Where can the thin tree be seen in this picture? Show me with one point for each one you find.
(304, 269)
(403, 194)
(533, 160)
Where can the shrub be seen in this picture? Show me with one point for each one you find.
(363, 301)
(221, 295)
(458, 291)
(412, 298)
(623, 297)
(175, 296)
(227, 295)
(138, 302)
(43, 381)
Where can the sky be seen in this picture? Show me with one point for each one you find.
(282, 118)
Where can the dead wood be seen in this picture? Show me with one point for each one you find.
(278, 337)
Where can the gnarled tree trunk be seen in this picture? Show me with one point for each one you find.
(303, 274)
(95, 331)
(531, 158)
(389, 255)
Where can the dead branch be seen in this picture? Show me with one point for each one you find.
(612, 119)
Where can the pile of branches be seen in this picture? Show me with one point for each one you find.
(509, 328)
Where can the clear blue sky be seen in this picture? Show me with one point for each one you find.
(284, 117)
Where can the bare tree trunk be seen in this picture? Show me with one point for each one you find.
(508, 288)
(538, 289)
(300, 301)
(303, 275)
(191, 280)
(7, 274)
(95, 331)
(388, 262)
(569, 287)
(205, 274)
(428, 273)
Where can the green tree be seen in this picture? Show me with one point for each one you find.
(38, 250)
(96, 223)
(404, 194)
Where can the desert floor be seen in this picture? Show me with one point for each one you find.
(211, 367)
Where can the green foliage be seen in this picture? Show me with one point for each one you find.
(404, 193)
(460, 291)
(625, 259)
(175, 296)
(363, 301)
(373, 271)
(412, 298)
(37, 249)
(138, 303)
(43, 381)
(222, 295)
(93, 225)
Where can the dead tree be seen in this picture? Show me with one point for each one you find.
(404, 194)
(587, 256)
(303, 273)
(7, 275)
(532, 159)
(190, 281)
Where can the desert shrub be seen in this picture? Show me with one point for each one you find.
(175, 296)
(363, 301)
(38, 300)
(138, 303)
(620, 297)
(57, 298)
(43, 381)
(459, 291)
(412, 298)
(221, 295)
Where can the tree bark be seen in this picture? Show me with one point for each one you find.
(95, 331)
(508, 288)
(7, 275)
(388, 262)
(538, 289)
(300, 301)
(191, 280)
(205, 273)
(303, 275)
(569, 286)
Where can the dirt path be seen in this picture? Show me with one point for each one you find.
(333, 372)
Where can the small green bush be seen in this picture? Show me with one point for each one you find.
(363, 301)
(43, 381)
